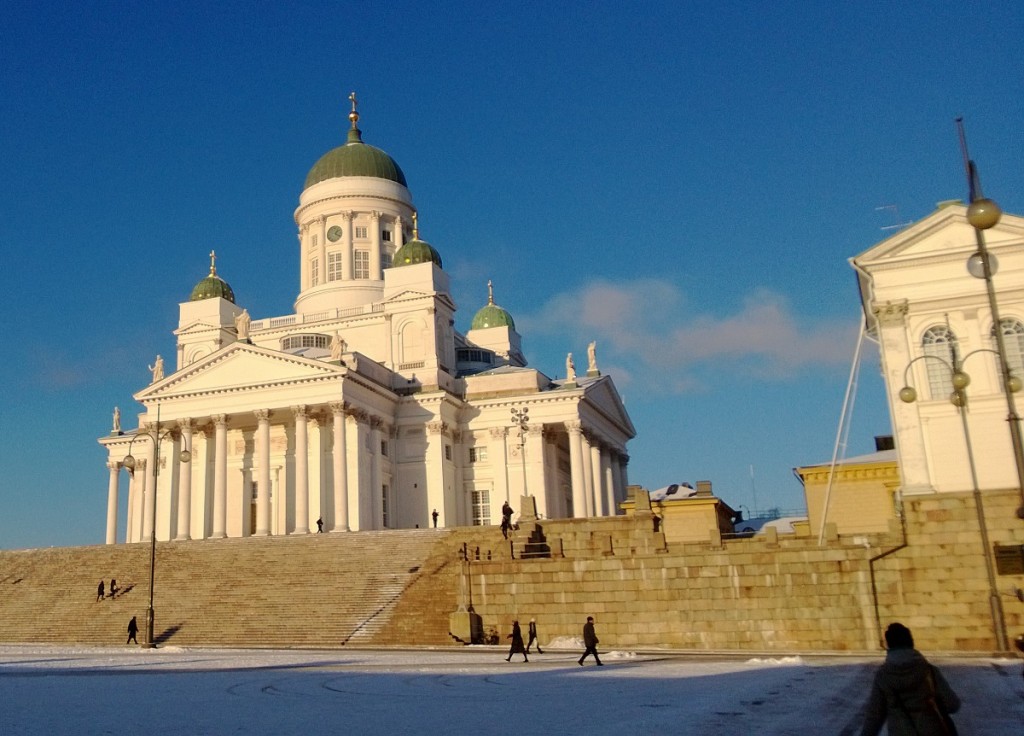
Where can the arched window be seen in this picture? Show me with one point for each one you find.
(1013, 341)
(940, 342)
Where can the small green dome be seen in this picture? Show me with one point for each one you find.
(212, 286)
(416, 251)
(355, 158)
(491, 315)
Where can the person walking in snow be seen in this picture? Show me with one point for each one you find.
(908, 693)
(590, 641)
(133, 629)
(533, 637)
(99, 592)
(517, 643)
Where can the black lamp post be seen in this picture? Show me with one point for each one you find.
(982, 214)
(155, 436)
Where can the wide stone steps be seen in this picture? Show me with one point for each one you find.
(366, 588)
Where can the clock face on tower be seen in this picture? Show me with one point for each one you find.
(334, 233)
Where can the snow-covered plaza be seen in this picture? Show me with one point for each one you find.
(127, 690)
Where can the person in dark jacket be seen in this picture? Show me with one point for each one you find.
(133, 629)
(590, 641)
(99, 592)
(517, 643)
(533, 637)
(909, 694)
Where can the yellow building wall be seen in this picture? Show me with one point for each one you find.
(861, 500)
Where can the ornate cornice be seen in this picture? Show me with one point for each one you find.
(891, 313)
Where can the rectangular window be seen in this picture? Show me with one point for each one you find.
(314, 272)
(361, 231)
(385, 235)
(316, 240)
(481, 508)
(477, 454)
(334, 266)
(384, 448)
(447, 452)
(384, 504)
(362, 266)
(385, 260)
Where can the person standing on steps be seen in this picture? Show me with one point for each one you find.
(533, 637)
(590, 641)
(434, 515)
(133, 629)
(99, 592)
(320, 525)
(517, 643)
(113, 587)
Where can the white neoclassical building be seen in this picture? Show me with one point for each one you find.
(366, 408)
(920, 300)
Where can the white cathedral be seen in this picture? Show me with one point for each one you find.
(365, 409)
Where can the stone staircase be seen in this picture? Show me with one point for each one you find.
(360, 588)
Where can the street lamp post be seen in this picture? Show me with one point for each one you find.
(982, 214)
(520, 419)
(155, 436)
(960, 381)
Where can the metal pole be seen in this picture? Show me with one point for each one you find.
(995, 604)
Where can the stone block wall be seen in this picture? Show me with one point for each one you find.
(770, 593)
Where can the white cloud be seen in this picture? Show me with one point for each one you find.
(649, 328)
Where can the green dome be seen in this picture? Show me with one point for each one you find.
(355, 158)
(212, 286)
(492, 315)
(416, 251)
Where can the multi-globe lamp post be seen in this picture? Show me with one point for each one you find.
(185, 456)
(521, 419)
(960, 380)
(983, 214)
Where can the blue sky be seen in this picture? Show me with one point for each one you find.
(681, 182)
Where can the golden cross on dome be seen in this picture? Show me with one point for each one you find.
(415, 226)
(213, 263)
(354, 115)
(490, 292)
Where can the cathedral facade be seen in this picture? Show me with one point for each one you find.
(938, 344)
(365, 408)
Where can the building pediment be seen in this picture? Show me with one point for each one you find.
(196, 326)
(240, 366)
(603, 396)
(944, 233)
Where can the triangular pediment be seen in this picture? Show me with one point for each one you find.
(240, 365)
(196, 326)
(408, 294)
(944, 232)
(603, 395)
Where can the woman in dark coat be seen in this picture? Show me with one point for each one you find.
(517, 643)
(908, 693)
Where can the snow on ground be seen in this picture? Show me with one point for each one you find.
(472, 690)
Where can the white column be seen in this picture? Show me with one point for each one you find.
(301, 471)
(184, 483)
(263, 465)
(534, 460)
(346, 246)
(608, 480)
(220, 477)
(340, 460)
(376, 477)
(597, 474)
(375, 269)
(148, 520)
(623, 475)
(498, 453)
(588, 476)
(576, 464)
(131, 525)
(616, 473)
(115, 469)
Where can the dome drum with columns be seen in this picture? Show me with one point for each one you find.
(365, 408)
